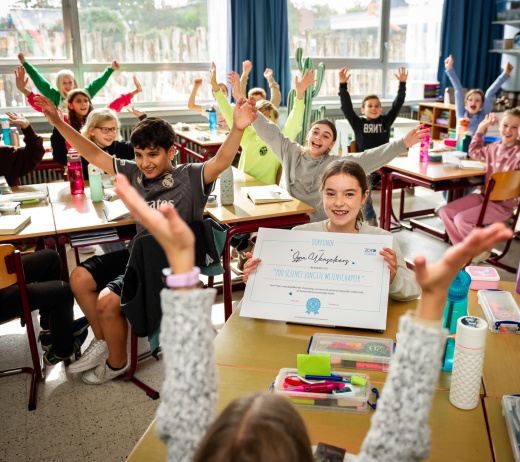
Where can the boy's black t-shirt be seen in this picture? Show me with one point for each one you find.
(375, 132)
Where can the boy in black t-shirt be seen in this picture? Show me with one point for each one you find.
(97, 282)
(373, 129)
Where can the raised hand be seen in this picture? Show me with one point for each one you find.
(138, 88)
(197, 82)
(415, 135)
(165, 224)
(344, 75)
(402, 74)
(48, 109)
(213, 78)
(268, 74)
(244, 113)
(435, 279)
(246, 67)
(306, 81)
(509, 68)
(448, 62)
(250, 266)
(115, 65)
(234, 82)
(17, 119)
(21, 80)
(21, 57)
(489, 120)
(135, 112)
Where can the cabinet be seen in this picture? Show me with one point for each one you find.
(511, 28)
(432, 113)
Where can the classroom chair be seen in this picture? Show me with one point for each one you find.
(502, 186)
(11, 272)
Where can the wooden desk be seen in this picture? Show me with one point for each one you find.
(192, 136)
(500, 442)
(433, 175)
(245, 217)
(501, 374)
(456, 435)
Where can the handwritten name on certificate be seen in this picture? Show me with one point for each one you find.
(332, 279)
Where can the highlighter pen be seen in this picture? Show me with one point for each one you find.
(318, 387)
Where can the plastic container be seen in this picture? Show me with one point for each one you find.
(14, 137)
(212, 120)
(424, 149)
(498, 44)
(75, 172)
(6, 131)
(94, 180)
(353, 352)
(501, 311)
(483, 277)
(467, 362)
(462, 128)
(456, 307)
(511, 412)
(357, 404)
(227, 194)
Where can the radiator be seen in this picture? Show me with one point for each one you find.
(41, 176)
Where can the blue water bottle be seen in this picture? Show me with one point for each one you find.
(212, 120)
(456, 307)
(6, 131)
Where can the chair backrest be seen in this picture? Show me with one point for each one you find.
(507, 185)
(6, 278)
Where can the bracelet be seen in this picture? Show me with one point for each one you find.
(179, 281)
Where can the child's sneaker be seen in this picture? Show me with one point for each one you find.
(102, 373)
(52, 359)
(95, 354)
(45, 339)
(80, 325)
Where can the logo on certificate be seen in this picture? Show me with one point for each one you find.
(313, 306)
(371, 252)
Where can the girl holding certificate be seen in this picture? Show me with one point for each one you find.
(343, 191)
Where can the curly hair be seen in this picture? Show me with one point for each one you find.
(152, 133)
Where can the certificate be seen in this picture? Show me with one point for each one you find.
(332, 279)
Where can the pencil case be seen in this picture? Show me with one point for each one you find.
(501, 311)
(353, 352)
(353, 402)
(511, 412)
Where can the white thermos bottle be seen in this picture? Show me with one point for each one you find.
(470, 343)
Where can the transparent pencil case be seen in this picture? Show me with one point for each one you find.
(511, 412)
(501, 311)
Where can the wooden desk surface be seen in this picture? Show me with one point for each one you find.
(194, 133)
(42, 221)
(501, 372)
(500, 442)
(59, 191)
(272, 345)
(456, 435)
(243, 208)
(432, 171)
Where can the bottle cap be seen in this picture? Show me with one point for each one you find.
(471, 332)
(93, 170)
(459, 288)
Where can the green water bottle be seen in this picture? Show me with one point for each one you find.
(94, 179)
(456, 307)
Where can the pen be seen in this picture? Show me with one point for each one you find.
(318, 387)
(330, 378)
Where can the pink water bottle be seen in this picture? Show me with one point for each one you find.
(75, 172)
(425, 146)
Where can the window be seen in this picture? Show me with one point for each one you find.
(373, 38)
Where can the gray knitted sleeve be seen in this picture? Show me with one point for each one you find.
(189, 395)
(399, 429)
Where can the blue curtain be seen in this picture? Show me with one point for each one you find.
(467, 34)
(260, 33)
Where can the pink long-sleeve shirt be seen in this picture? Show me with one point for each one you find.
(499, 158)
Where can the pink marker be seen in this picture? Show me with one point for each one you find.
(318, 387)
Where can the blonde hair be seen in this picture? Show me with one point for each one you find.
(59, 81)
(265, 105)
(257, 91)
(97, 118)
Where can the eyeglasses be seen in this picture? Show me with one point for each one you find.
(106, 130)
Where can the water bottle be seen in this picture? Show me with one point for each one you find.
(94, 179)
(425, 145)
(447, 101)
(466, 141)
(456, 307)
(227, 196)
(518, 279)
(75, 173)
(212, 120)
(470, 343)
(6, 132)
(463, 128)
(14, 137)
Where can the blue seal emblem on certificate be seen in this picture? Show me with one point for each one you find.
(313, 306)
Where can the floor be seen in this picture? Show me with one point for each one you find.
(78, 422)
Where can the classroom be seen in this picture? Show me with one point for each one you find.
(161, 165)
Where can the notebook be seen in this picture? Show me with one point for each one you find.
(12, 224)
(267, 194)
(469, 164)
(115, 210)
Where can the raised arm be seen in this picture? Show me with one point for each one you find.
(101, 81)
(223, 103)
(271, 135)
(43, 86)
(492, 91)
(126, 98)
(293, 126)
(459, 91)
(403, 410)
(346, 102)
(276, 96)
(191, 100)
(393, 112)
(246, 69)
(477, 150)
(85, 147)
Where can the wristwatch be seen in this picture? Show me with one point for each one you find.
(179, 281)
